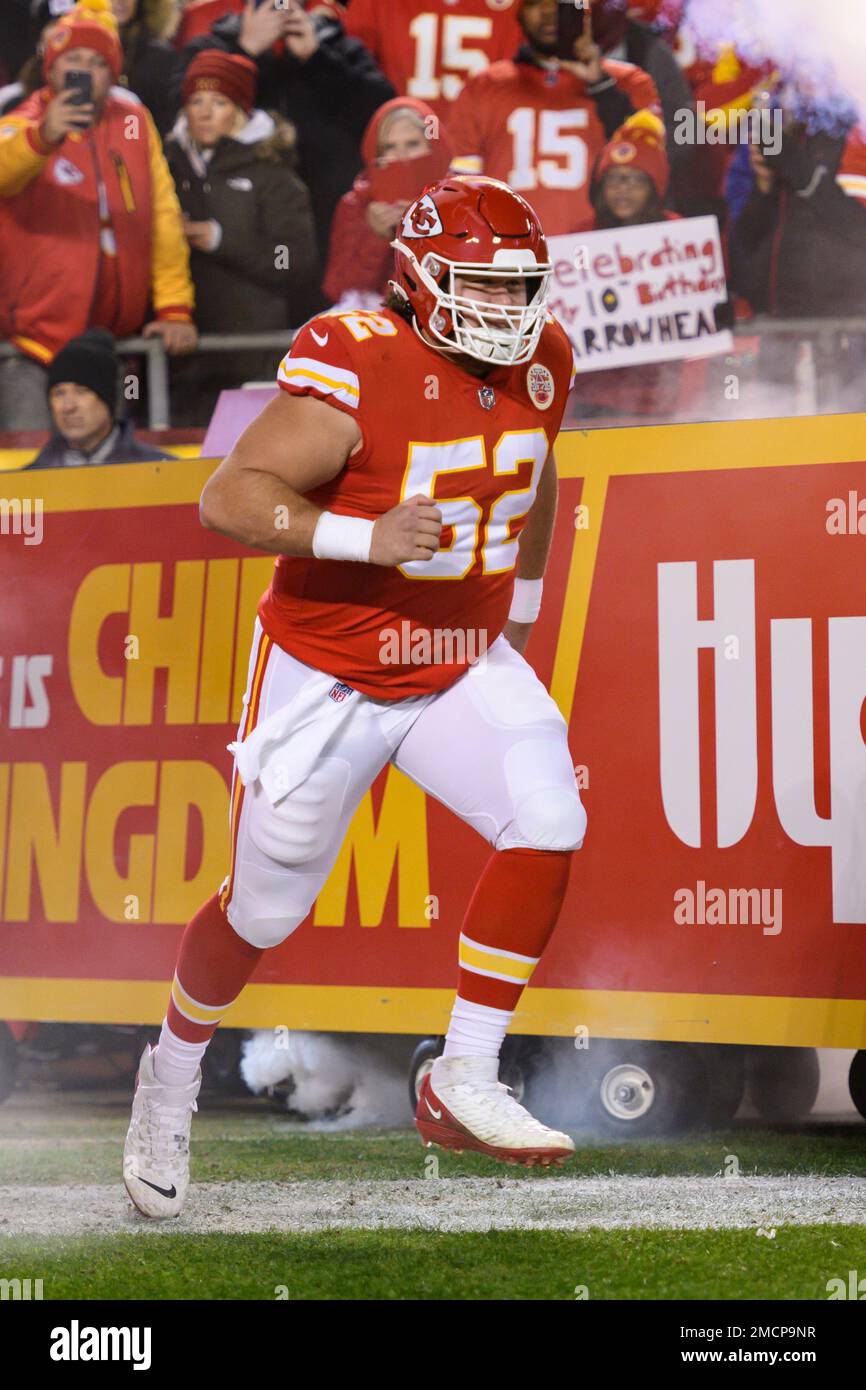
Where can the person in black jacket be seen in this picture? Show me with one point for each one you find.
(150, 64)
(249, 223)
(798, 247)
(19, 33)
(311, 73)
(82, 400)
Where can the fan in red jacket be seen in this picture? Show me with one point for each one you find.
(628, 187)
(405, 148)
(91, 234)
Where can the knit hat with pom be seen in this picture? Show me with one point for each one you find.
(638, 144)
(89, 24)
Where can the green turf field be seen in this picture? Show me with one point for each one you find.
(72, 1144)
(412, 1265)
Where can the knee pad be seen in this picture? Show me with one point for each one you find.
(302, 826)
(550, 818)
(287, 855)
(267, 906)
(264, 932)
(546, 809)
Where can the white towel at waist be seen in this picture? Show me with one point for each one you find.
(282, 751)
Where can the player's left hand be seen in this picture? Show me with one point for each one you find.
(177, 338)
(587, 64)
(299, 34)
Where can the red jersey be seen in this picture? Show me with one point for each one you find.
(537, 129)
(429, 48)
(851, 174)
(476, 446)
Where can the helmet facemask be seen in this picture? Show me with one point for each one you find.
(499, 334)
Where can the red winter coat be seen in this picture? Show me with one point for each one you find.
(50, 253)
(357, 258)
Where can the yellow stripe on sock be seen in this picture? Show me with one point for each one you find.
(191, 1009)
(500, 963)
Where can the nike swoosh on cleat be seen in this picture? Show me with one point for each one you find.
(163, 1192)
(437, 1114)
(320, 341)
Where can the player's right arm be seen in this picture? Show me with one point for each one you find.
(296, 444)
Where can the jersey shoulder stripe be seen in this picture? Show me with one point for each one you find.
(853, 184)
(322, 377)
(336, 353)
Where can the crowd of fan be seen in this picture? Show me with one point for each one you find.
(229, 166)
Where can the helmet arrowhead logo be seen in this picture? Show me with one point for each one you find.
(422, 219)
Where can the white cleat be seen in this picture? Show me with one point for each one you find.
(464, 1105)
(156, 1152)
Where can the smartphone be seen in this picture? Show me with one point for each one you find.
(81, 83)
(571, 20)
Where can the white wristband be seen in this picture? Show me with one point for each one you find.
(342, 537)
(526, 603)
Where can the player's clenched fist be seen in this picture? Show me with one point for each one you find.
(410, 531)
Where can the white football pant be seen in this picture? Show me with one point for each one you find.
(492, 747)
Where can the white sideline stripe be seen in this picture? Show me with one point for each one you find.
(443, 1204)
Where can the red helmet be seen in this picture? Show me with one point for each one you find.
(467, 225)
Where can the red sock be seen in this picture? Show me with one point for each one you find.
(508, 923)
(213, 965)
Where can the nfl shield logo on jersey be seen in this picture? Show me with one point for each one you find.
(338, 691)
(487, 397)
(539, 384)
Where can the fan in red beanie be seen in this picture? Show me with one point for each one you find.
(631, 174)
(91, 234)
(90, 24)
(231, 75)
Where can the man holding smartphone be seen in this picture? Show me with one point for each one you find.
(91, 233)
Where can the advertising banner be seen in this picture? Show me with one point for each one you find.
(703, 632)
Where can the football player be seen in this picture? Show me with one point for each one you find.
(405, 480)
